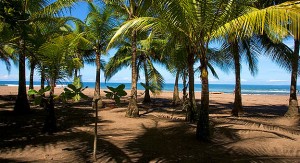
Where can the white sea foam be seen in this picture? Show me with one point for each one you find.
(12, 85)
(61, 86)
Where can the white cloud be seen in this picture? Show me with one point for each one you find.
(244, 80)
(120, 80)
(9, 77)
(275, 80)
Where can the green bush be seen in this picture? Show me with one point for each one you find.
(116, 93)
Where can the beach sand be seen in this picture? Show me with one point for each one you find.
(262, 134)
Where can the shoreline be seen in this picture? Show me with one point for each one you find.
(168, 87)
(219, 97)
(14, 88)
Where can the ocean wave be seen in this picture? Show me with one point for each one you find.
(11, 85)
(266, 91)
(61, 86)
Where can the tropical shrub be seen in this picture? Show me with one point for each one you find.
(116, 93)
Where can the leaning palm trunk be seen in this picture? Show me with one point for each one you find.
(293, 109)
(22, 104)
(202, 131)
(133, 110)
(191, 110)
(237, 105)
(176, 98)
(97, 96)
(147, 98)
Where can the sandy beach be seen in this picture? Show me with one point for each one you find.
(262, 134)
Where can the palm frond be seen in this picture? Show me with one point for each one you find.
(281, 19)
(156, 79)
(278, 52)
(116, 63)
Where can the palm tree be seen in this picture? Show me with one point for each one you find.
(36, 39)
(25, 15)
(146, 56)
(100, 24)
(178, 65)
(234, 50)
(269, 21)
(57, 57)
(151, 48)
(131, 9)
(293, 110)
(291, 64)
(286, 58)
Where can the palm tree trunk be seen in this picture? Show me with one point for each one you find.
(237, 105)
(190, 117)
(184, 98)
(202, 131)
(133, 110)
(32, 67)
(176, 98)
(50, 121)
(22, 105)
(147, 98)
(76, 72)
(97, 96)
(293, 110)
(42, 78)
(42, 84)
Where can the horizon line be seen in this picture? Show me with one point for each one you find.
(273, 83)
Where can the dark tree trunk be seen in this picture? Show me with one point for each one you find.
(184, 98)
(32, 67)
(147, 98)
(50, 121)
(22, 105)
(97, 95)
(42, 78)
(176, 98)
(133, 110)
(42, 84)
(293, 110)
(76, 71)
(237, 105)
(190, 117)
(202, 131)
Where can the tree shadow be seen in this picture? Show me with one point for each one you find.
(11, 160)
(161, 105)
(83, 147)
(21, 131)
(173, 144)
(249, 111)
(226, 135)
(78, 144)
(265, 110)
(177, 143)
(18, 130)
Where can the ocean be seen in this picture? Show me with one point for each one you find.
(225, 88)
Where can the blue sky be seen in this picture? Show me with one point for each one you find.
(269, 72)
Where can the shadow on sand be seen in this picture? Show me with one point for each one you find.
(174, 143)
